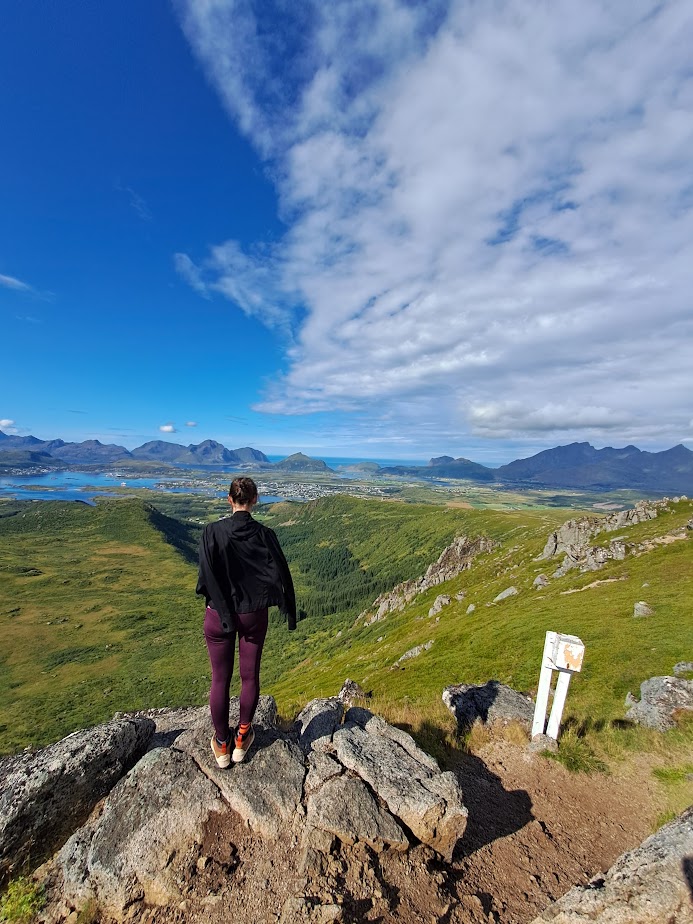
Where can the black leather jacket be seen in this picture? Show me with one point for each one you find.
(242, 569)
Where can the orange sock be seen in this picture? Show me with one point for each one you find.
(243, 727)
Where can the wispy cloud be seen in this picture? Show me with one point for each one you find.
(9, 282)
(136, 201)
(187, 269)
(190, 423)
(167, 428)
(489, 208)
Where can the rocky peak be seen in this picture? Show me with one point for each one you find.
(453, 560)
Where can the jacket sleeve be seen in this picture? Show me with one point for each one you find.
(289, 607)
(207, 584)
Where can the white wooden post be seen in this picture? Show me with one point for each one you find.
(562, 653)
(559, 696)
(544, 686)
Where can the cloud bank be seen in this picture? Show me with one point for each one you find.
(489, 211)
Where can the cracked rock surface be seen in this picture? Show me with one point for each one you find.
(360, 783)
(46, 794)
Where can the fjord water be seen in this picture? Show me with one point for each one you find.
(86, 485)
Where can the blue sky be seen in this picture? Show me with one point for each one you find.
(360, 228)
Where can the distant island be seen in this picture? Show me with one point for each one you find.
(575, 466)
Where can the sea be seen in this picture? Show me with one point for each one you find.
(85, 486)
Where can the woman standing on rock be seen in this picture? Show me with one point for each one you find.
(242, 572)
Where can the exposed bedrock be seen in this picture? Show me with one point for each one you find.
(652, 884)
(46, 794)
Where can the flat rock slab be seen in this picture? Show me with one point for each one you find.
(409, 781)
(265, 789)
(124, 853)
(170, 723)
(660, 699)
(344, 806)
(489, 703)
(652, 884)
(46, 794)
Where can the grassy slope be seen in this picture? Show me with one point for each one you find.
(110, 578)
(504, 640)
(111, 622)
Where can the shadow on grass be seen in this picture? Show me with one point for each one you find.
(582, 727)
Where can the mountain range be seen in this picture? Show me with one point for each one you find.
(577, 465)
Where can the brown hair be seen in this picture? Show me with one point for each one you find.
(243, 491)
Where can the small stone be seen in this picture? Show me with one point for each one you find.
(350, 691)
(504, 594)
(683, 667)
(414, 652)
(540, 581)
(202, 863)
(541, 743)
(642, 609)
(470, 608)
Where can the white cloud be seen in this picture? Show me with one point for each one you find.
(9, 282)
(489, 207)
(190, 423)
(6, 422)
(187, 269)
(167, 428)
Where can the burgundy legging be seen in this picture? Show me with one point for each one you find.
(252, 628)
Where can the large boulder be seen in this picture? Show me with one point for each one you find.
(124, 854)
(660, 699)
(490, 703)
(46, 794)
(407, 779)
(652, 884)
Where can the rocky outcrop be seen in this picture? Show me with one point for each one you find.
(440, 601)
(492, 703)
(407, 779)
(572, 539)
(351, 691)
(452, 561)
(652, 884)
(330, 784)
(265, 791)
(46, 794)
(683, 667)
(661, 698)
(124, 853)
(345, 807)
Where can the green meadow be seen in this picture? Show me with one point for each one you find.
(98, 614)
